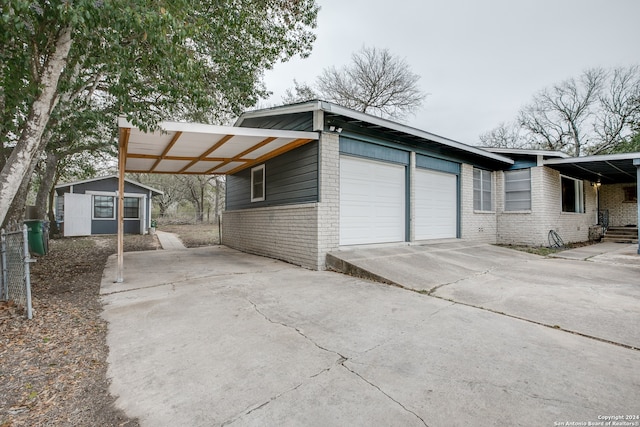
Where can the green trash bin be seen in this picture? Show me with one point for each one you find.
(37, 239)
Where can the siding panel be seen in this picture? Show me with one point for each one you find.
(291, 178)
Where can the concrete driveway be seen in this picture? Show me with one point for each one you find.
(212, 336)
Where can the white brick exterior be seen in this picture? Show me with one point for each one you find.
(532, 227)
(476, 225)
(300, 234)
(621, 213)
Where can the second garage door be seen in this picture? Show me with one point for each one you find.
(372, 201)
(436, 205)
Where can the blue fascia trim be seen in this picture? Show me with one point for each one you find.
(399, 146)
(374, 151)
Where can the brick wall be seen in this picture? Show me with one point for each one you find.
(476, 225)
(532, 227)
(621, 213)
(288, 233)
(328, 225)
(300, 234)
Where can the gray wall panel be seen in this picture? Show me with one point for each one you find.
(289, 179)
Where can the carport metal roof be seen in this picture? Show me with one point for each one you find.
(194, 148)
(197, 149)
(605, 169)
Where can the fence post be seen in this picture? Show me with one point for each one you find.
(4, 289)
(27, 274)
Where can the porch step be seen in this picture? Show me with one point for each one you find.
(621, 235)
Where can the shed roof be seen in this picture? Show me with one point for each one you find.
(102, 178)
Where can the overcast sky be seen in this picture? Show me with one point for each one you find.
(479, 60)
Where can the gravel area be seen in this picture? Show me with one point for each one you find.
(53, 367)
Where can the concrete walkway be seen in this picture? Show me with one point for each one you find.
(215, 337)
(606, 252)
(169, 241)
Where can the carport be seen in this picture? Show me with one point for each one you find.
(196, 149)
(603, 169)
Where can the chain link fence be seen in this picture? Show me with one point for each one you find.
(15, 284)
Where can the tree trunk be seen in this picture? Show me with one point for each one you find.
(47, 181)
(16, 211)
(53, 224)
(30, 142)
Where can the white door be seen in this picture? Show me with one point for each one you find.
(436, 205)
(77, 214)
(372, 201)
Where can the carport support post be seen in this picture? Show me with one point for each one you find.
(122, 153)
(636, 163)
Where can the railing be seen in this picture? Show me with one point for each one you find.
(15, 281)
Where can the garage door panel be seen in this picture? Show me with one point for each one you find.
(436, 212)
(372, 201)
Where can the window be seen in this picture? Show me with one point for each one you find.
(517, 190)
(572, 195)
(630, 194)
(60, 208)
(103, 207)
(132, 207)
(481, 190)
(257, 183)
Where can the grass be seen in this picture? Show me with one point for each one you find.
(546, 251)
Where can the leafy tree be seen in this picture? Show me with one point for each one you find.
(147, 60)
(375, 82)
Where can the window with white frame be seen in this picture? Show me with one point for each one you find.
(132, 207)
(481, 190)
(517, 190)
(103, 207)
(572, 195)
(257, 183)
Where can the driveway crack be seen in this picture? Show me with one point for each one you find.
(478, 274)
(341, 361)
(384, 393)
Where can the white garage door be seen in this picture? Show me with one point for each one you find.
(436, 205)
(372, 201)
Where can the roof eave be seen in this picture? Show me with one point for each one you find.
(329, 107)
(585, 159)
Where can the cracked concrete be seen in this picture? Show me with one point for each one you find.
(249, 341)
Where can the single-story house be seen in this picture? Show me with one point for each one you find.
(368, 180)
(90, 207)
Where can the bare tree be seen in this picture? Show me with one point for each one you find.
(619, 109)
(300, 92)
(505, 135)
(376, 82)
(555, 119)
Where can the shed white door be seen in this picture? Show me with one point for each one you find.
(77, 214)
(436, 206)
(372, 201)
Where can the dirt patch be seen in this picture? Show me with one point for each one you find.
(53, 367)
(194, 235)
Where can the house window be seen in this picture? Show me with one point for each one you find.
(630, 194)
(132, 207)
(103, 207)
(257, 183)
(572, 195)
(60, 208)
(517, 190)
(481, 190)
